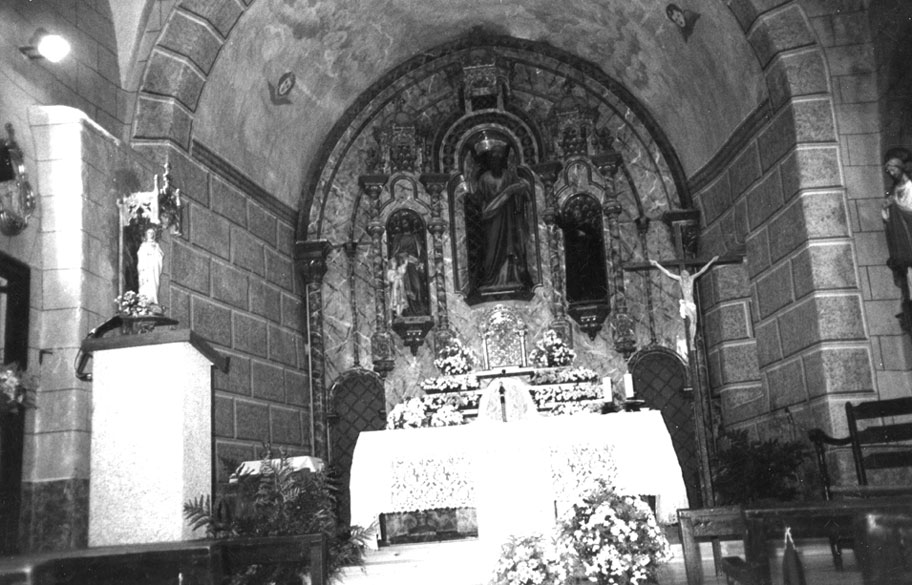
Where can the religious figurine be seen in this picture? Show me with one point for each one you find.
(407, 277)
(686, 282)
(505, 199)
(897, 212)
(149, 260)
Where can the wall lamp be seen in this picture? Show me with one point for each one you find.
(17, 200)
(44, 45)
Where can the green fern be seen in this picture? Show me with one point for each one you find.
(279, 502)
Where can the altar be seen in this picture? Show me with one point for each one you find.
(512, 473)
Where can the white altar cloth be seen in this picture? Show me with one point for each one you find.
(487, 464)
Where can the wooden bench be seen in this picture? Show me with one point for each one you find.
(879, 442)
(702, 524)
(200, 562)
(812, 521)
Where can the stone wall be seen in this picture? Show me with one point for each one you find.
(232, 281)
(808, 322)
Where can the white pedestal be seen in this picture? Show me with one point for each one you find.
(151, 435)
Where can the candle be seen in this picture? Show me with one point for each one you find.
(628, 385)
(606, 388)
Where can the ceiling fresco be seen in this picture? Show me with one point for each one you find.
(697, 90)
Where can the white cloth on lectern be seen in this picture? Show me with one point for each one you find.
(513, 475)
(518, 403)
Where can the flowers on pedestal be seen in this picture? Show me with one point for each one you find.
(454, 358)
(17, 389)
(551, 351)
(131, 304)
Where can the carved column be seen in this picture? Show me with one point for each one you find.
(642, 232)
(381, 340)
(310, 264)
(608, 165)
(548, 172)
(435, 184)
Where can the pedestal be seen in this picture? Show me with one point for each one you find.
(151, 435)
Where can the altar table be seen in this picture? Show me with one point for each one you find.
(506, 470)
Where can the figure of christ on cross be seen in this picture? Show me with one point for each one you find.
(686, 282)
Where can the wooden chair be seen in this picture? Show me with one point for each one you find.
(881, 443)
(702, 524)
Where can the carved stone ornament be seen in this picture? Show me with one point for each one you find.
(413, 330)
(504, 338)
(17, 201)
(590, 316)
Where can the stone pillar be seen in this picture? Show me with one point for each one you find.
(435, 183)
(548, 172)
(381, 340)
(608, 165)
(151, 435)
(310, 264)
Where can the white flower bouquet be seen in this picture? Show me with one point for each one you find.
(450, 383)
(454, 359)
(531, 560)
(563, 376)
(425, 411)
(616, 538)
(17, 389)
(551, 351)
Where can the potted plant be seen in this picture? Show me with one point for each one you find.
(279, 501)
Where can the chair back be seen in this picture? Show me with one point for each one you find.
(882, 442)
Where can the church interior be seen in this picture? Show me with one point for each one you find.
(688, 197)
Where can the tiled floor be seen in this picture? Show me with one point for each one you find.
(455, 563)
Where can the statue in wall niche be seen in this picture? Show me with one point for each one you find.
(407, 265)
(686, 282)
(149, 260)
(504, 198)
(897, 213)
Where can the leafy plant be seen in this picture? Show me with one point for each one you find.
(279, 501)
(747, 471)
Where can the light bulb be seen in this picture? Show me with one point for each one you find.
(53, 47)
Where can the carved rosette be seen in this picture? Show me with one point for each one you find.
(382, 349)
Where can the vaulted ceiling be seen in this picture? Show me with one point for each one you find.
(696, 89)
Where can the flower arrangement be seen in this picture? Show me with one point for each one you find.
(551, 351)
(450, 383)
(548, 395)
(425, 411)
(131, 304)
(17, 389)
(531, 560)
(563, 376)
(454, 358)
(616, 538)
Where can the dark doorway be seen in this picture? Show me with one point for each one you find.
(659, 377)
(358, 404)
(14, 321)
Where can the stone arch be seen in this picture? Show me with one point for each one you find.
(178, 65)
(323, 168)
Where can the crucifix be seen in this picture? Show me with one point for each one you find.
(684, 226)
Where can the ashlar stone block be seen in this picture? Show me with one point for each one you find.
(835, 370)
(786, 384)
(824, 266)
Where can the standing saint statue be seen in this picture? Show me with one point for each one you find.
(408, 277)
(686, 282)
(149, 260)
(505, 200)
(897, 213)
